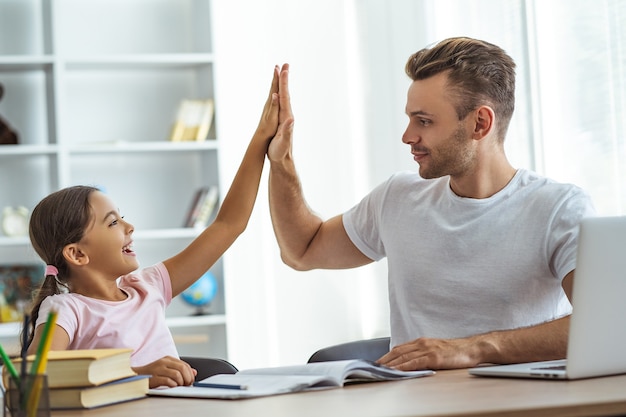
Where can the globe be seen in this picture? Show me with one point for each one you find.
(201, 293)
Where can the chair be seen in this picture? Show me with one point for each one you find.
(207, 367)
(369, 349)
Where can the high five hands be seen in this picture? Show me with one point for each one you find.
(280, 147)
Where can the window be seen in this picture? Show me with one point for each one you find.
(570, 114)
(581, 61)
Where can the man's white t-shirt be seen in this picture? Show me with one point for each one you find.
(461, 266)
(138, 322)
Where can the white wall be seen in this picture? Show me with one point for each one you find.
(277, 315)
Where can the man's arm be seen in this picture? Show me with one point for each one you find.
(305, 240)
(545, 341)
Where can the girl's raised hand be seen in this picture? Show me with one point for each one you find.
(268, 125)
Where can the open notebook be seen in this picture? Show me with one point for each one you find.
(597, 335)
(261, 382)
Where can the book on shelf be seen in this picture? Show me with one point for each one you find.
(82, 368)
(194, 208)
(193, 120)
(202, 206)
(287, 379)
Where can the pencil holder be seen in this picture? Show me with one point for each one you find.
(29, 398)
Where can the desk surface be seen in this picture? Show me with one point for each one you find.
(448, 393)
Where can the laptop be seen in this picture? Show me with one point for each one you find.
(597, 335)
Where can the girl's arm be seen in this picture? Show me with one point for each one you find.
(166, 371)
(60, 339)
(231, 220)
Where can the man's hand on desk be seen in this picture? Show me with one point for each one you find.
(426, 353)
(168, 371)
(540, 342)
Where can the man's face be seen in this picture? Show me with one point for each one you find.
(440, 143)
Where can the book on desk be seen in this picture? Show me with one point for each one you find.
(287, 379)
(120, 390)
(89, 378)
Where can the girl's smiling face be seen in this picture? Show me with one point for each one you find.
(107, 241)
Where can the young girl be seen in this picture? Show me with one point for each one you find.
(87, 246)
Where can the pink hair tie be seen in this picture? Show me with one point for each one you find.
(51, 270)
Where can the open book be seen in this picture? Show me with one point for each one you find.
(285, 379)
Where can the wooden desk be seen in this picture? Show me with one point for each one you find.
(448, 393)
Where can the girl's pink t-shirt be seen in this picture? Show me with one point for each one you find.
(138, 322)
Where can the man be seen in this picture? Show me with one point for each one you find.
(481, 256)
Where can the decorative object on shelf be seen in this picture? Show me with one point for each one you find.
(193, 121)
(15, 221)
(202, 207)
(17, 283)
(201, 293)
(7, 135)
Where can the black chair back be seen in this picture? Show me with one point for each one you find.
(369, 349)
(207, 367)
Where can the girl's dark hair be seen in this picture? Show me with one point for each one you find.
(478, 73)
(58, 220)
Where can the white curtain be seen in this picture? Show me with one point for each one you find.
(349, 93)
(581, 61)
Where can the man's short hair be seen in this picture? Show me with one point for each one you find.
(479, 73)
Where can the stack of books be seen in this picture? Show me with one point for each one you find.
(90, 378)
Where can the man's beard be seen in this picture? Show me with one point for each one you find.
(453, 157)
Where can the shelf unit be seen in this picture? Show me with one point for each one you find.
(92, 88)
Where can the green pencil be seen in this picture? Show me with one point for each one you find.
(9, 365)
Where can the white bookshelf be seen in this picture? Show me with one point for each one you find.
(92, 88)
